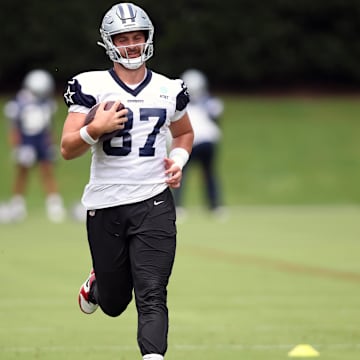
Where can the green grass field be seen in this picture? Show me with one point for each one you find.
(249, 287)
(273, 151)
(280, 269)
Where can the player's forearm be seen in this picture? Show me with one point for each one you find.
(184, 141)
(73, 146)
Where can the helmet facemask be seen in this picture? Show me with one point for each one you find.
(123, 18)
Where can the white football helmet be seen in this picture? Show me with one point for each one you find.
(122, 18)
(40, 83)
(196, 83)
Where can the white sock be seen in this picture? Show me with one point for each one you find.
(18, 200)
(153, 357)
(17, 208)
(55, 207)
(54, 198)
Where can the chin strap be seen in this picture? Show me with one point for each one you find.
(131, 64)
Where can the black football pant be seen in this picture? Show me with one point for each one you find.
(133, 248)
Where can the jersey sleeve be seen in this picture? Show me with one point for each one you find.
(75, 98)
(11, 110)
(178, 115)
(182, 98)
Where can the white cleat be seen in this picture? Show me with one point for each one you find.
(85, 304)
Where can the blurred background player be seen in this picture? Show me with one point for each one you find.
(31, 114)
(204, 111)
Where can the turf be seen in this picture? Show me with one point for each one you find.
(280, 268)
(273, 151)
(249, 285)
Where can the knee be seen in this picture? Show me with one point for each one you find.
(153, 297)
(113, 306)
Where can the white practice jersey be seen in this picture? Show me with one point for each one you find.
(205, 129)
(129, 167)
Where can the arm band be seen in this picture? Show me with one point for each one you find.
(86, 136)
(180, 156)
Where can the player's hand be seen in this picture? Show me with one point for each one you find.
(111, 119)
(173, 173)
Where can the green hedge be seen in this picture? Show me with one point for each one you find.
(240, 44)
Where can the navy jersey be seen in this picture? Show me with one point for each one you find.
(32, 118)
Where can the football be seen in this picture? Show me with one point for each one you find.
(91, 115)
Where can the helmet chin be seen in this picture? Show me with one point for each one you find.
(131, 64)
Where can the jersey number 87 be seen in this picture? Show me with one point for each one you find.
(148, 148)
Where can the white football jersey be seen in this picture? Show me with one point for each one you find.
(129, 167)
(205, 129)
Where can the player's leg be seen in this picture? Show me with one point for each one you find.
(54, 202)
(25, 159)
(207, 161)
(112, 289)
(152, 252)
(15, 209)
(17, 205)
(21, 180)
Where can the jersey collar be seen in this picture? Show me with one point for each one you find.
(138, 89)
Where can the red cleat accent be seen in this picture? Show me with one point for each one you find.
(85, 304)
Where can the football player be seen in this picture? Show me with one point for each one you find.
(131, 215)
(204, 110)
(31, 114)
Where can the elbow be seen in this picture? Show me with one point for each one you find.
(69, 153)
(65, 154)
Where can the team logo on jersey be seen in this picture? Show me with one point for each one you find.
(75, 95)
(163, 93)
(69, 94)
